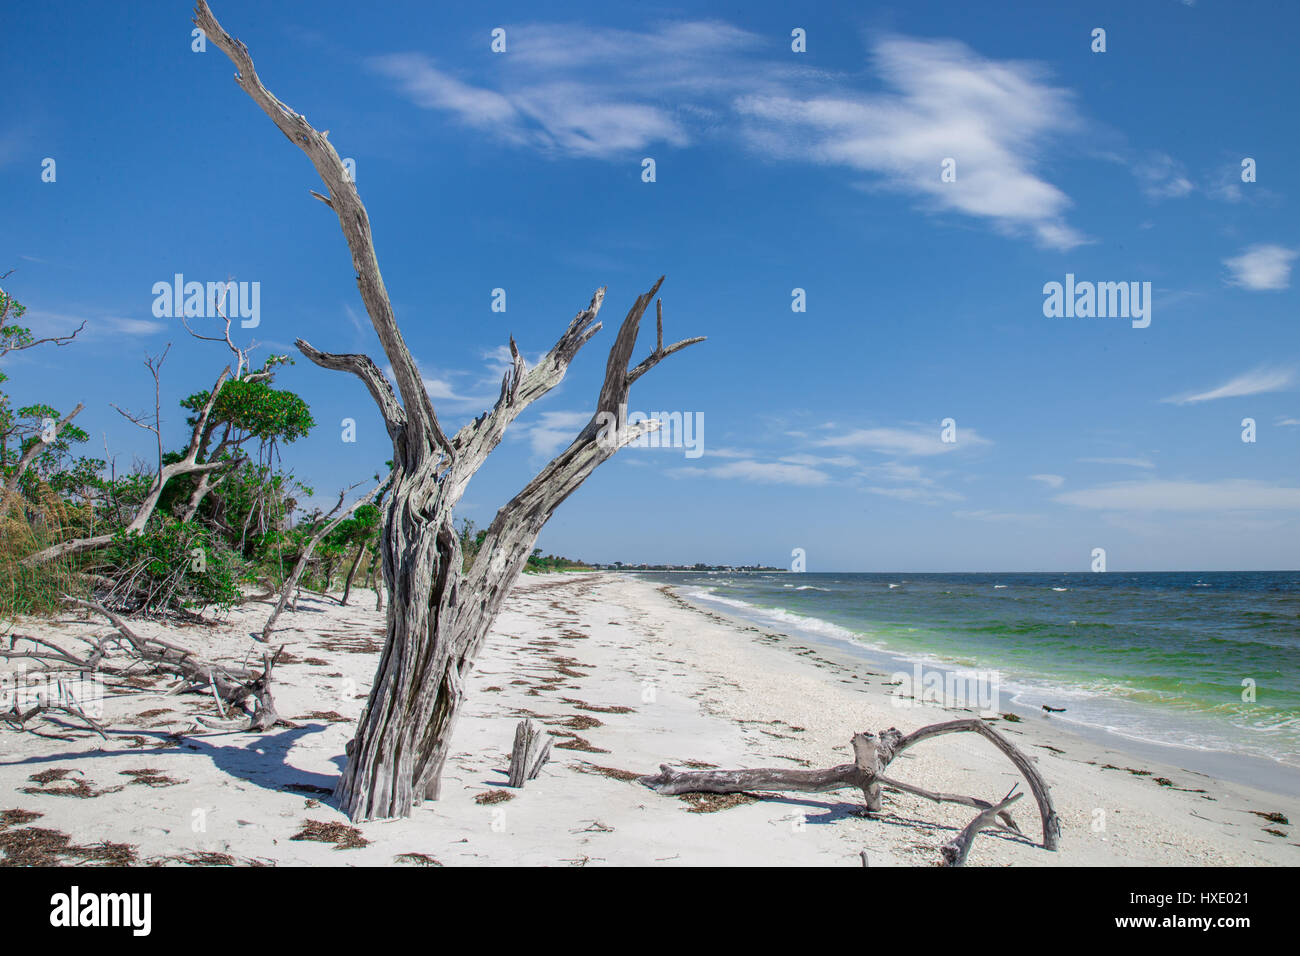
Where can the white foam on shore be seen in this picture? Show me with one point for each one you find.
(1101, 706)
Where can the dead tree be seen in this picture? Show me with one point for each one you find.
(872, 754)
(291, 581)
(189, 464)
(30, 455)
(438, 616)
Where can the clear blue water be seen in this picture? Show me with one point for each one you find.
(1158, 657)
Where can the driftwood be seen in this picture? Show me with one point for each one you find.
(234, 689)
(531, 751)
(439, 613)
(872, 755)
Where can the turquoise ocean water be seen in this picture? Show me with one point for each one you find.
(1155, 657)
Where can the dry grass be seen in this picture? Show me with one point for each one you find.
(341, 835)
(583, 705)
(37, 846)
(713, 802)
(581, 722)
(151, 778)
(574, 742)
(54, 783)
(627, 776)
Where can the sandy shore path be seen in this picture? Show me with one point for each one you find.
(627, 676)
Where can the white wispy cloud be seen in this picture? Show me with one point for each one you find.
(905, 483)
(762, 472)
(1254, 382)
(577, 90)
(550, 432)
(1231, 494)
(570, 90)
(921, 495)
(915, 441)
(1263, 267)
(1130, 462)
(137, 326)
(994, 118)
(1052, 481)
(1163, 177)
(984, 514)
(819, 461)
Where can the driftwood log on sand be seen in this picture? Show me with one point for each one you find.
(872, 755)
(531, 751)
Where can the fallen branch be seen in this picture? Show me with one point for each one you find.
(233, 687)
(872, 755)
(954, 852)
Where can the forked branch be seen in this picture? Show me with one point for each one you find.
(344, 199)
(872, 754)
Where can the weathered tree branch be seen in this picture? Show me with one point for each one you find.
(292, 581)
(232, 687)
(29, 456)
(872, 754)
(354, 221)
(365, 369)
(187, 465)
(955, 851)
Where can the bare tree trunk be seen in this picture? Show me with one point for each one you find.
(438, 615)
(347, 584)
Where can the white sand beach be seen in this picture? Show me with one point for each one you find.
(628, 676)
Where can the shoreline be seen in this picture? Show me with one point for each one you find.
(626, 677)
(1274, 776)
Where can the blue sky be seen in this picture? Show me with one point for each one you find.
(774, 170)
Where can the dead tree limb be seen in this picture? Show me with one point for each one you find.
(187, 465)
(29, 456)
(531, 750)
(292, 581)
(236, 687)
(955, 851)
(438, 616)
(872, 755)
